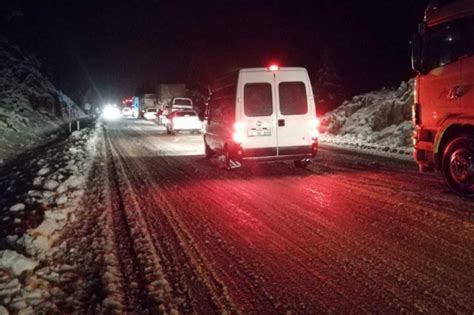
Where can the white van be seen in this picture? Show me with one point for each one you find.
(262, 114)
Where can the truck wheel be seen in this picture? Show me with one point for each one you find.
(302, 163)
(208, 151)
(458, 165)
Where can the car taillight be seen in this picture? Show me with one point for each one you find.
(238, 135)
(315, 128)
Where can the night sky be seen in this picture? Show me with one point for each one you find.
(121, 46)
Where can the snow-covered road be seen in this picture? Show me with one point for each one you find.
(162, 229)
(350, 233)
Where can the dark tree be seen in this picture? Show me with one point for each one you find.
(197, 80)
(328, 85)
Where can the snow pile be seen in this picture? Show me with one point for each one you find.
(28, 282)
(376, 121)
(30, 106)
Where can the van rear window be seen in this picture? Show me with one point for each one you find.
(293, 100)
(258, 99)
(181, 101)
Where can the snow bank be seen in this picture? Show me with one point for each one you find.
(30, 106)
(27, 279)
(16, 263)
(378, 121)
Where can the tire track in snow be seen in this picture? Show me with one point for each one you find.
(202, 291)
(148, 290)
(350, 232)
(396, 274)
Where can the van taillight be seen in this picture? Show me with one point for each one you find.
(315, 128)
(238, 135)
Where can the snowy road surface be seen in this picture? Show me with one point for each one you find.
(351, 233)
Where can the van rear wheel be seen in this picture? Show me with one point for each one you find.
(458, 165)
(208, 151)
(229, 160)
(302, 163)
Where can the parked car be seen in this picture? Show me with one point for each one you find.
(183, 120)
(262, 114)
(150, 113)
(127, 112)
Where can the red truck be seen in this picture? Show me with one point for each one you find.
(443, 111)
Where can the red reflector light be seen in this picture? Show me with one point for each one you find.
(273, 68)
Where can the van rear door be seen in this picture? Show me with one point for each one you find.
(295, 111)
(258, 113)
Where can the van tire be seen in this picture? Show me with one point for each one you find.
(208, 151)
(301, 163)
(229, 162)
(227, 158)
(458, 165)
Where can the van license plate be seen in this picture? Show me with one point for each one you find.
(259, 132)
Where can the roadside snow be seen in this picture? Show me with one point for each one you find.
(17, 207)
(378, 121)
(26, 281)
(16, 263)
(43, 171)
(51, 184)
(31, 108)
(3, 311)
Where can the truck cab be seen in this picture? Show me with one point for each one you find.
(443, 112)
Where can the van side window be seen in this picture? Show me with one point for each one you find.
(293, 100)
(258, 99)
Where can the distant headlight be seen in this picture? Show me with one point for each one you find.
(110, 112)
